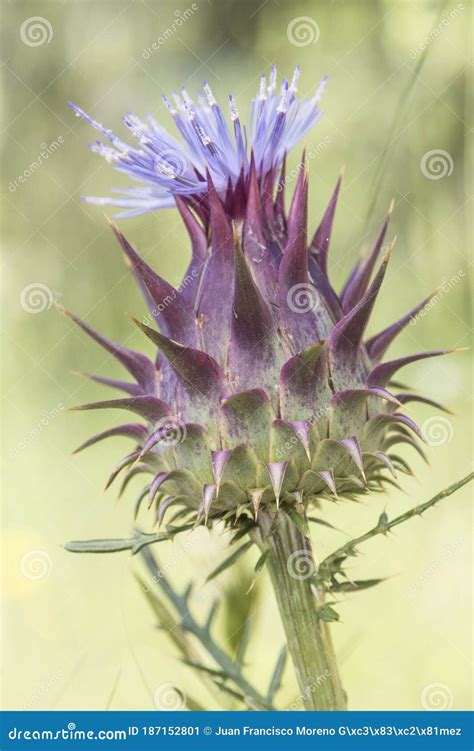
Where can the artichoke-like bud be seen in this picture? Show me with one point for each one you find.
(264, 392)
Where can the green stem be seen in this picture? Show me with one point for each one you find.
(291, 565)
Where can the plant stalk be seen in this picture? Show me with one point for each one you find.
(290, 562)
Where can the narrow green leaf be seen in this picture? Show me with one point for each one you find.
(241, 532)
(261, 562)
(299, 521)
(258, 568)
(275, 682)
(354, 586)
(212, 612)
(321, 521)
(230, 691)
(243, 643)
(109, 546)
(205, 669)
(229, 561)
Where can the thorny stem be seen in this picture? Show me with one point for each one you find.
(384, 527)
(291, 566)
(230, 669)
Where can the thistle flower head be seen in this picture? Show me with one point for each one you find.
(210, 145)
(265, 391)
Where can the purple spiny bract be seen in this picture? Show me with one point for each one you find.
(265, 392)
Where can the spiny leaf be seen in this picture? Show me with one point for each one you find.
(167, 620)
(205, 669)
(113, 546)
(135, 543)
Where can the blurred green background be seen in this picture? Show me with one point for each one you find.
(77, 632)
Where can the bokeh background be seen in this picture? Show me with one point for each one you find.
(77, 632)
